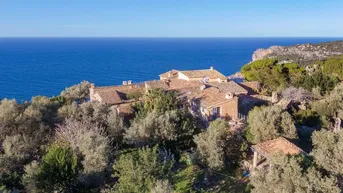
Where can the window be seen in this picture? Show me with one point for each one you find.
(214, 110)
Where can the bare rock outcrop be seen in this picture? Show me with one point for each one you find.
(301, 53)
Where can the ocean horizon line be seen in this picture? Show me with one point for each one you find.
(166, 37)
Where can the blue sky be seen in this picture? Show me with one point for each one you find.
(165, 18)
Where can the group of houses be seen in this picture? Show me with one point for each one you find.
(205, 92)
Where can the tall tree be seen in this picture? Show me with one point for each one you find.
(90, 141)
(267, 123)
(328, 150)
(139, 170)
(292, 174)
(58, 170)
(77, 92)
(170, 128)
(157, 100)
(218, 146)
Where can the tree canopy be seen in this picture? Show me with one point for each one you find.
(272, 74)
(292, 174)
(58, 170)
(140, 170)
(328, 150)
(218, 146)
(266, 123)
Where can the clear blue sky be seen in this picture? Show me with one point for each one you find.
(165, 18)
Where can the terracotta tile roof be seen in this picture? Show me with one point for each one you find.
(117, 94)
(172, 74)
(230, 86)
(212, 74)
(178, 84)
(275, 146)
(172, 84)
(157, 84)
(116, 87)
(252, 86)
(109, 96)
(125, 109)
(208, 98)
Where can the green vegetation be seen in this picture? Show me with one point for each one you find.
(320, 80)
(328, 151)
(134, 95)
(139, 170)
(293, 174)
(333, 65)
(271, 74)
(157, 100)
(275, 75)
(58, 170)
(307, 117)
(68, 144)
(267, 123)
(219, 147)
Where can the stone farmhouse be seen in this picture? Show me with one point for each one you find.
(206, 92)
(211, 75)
(265, 150)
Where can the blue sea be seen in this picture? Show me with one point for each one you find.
(45, 66)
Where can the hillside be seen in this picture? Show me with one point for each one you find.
(301, 53)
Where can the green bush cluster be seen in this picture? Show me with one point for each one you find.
(271, 74)
(69, 144)
(275, 75)
(334, 66)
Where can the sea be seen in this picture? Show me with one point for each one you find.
(45, 66)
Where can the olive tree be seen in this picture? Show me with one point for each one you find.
(30, 177)
(77, 92)
(9, 110)
(42, 110)
(104, 115)
(292, 174)
(328, 150)
(331, 104)
(88, 139)
(140, 170)
(157, 100)
(296, 94)
(267, 123)
(218, 146)
(19, 147)
(172, 128)
(162, 186)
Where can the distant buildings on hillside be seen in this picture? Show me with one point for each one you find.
(206, 92)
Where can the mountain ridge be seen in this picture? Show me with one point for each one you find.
(301, 53)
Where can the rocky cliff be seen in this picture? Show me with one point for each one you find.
(301, 53)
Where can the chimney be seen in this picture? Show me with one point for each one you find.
(202, 86)
(91, 92)
(211, 68)
(229, 95)
(124, 82)
(129, 82)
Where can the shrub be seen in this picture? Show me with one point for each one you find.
(139, 171)
(58, 170)
(77, 92)
(267, 123)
